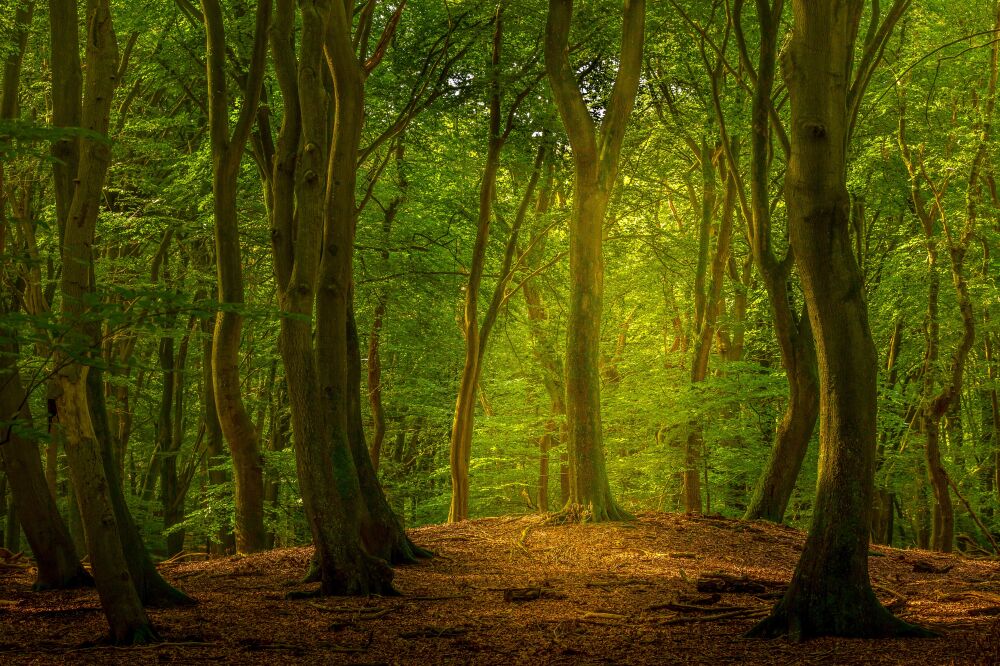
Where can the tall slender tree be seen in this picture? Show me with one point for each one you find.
(227, 152)
(115, 584)
(596, 151)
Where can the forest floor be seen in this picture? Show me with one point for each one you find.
(514, 590)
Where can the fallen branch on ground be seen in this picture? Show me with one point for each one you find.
(435, 632)
(720, 581)
(898, 599)
(530, 594)
(742, 613)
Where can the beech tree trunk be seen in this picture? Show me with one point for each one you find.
(57, 562)
(830, 592)
(460, 450)
(227, 151)
(115, 586)
(312, 242)
(32, 489)
(595, 157)
(795, 340)
(224, 541)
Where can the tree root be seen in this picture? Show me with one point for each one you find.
(579, 513)
(434, 632)
(866, 620)
(720, 581)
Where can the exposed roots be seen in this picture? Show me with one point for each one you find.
(81, 578)
(158, 593)
(143, 634)
(608, 511)
(867, 620)
(367, 576)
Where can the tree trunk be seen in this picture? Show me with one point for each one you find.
(58, 566)
(172, 488)
(795, 341)
(595, 157)
(375, 336)
(382, 533)
(33, 490)
(277, 441)
(375, 383)
(224, 541)
(830, 592)
(321, 210)
(227, 152)
(115, 586)
(465, 403)
(791, 440)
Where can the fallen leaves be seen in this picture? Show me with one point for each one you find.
(594, 593)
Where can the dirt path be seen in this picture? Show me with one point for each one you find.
(624, 594)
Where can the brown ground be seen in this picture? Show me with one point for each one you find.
(597, 584)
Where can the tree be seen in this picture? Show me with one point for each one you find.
(596, 152)
(792, 330)
(115, 585)
(830, 592)
(227, 151)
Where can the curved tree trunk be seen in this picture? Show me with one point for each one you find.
(795, 341)
(321, 211)
(460, 450)
(32, 488)
(227, 151)
(791, 440)
(154, 590)
(830, 592)
(382, 533)
(115, 586)
(58, 565)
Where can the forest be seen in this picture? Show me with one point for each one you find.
(549, 314)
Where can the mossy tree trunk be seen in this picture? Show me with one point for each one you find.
(596, 151)
(774, 487)
(115, 585)
(830, 592)
(57, 563)
(32, 488)
(227, 152)
(313, 209)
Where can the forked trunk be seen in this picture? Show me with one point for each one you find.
(596, 151)
(830, 592)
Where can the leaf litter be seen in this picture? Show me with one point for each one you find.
(665, 589)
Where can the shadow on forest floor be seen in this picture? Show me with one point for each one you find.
(664, 589)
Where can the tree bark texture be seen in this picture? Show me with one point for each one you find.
(830, 592)
(227, 151)
(596, 151)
